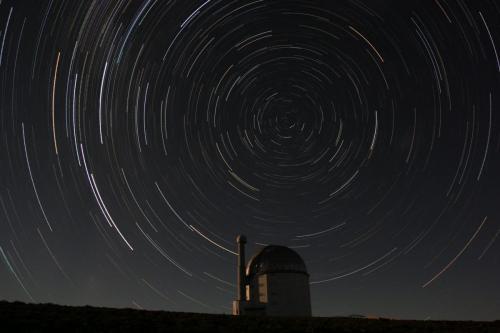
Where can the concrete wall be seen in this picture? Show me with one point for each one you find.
(288, 294)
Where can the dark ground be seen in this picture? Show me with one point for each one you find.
(21, 317)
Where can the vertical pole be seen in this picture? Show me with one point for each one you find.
(241, 240)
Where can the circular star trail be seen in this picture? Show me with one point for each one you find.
(138, 138)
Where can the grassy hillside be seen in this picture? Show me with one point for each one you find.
(21, 317)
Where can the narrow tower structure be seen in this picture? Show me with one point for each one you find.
(241, 240)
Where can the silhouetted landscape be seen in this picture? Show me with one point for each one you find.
(22, 317)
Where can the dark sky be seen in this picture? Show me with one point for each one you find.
(138, 138)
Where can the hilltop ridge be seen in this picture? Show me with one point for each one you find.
(22, 317)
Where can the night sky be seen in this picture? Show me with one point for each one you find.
(139, 138)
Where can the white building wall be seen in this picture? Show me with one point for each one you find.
(288, 294)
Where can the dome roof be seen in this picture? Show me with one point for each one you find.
(276, 259)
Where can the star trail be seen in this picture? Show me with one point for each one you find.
(138, 138)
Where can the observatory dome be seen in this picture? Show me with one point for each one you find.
(276, 259)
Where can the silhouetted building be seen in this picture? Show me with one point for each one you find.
(275, 282)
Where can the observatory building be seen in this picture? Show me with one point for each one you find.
(275, 282)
